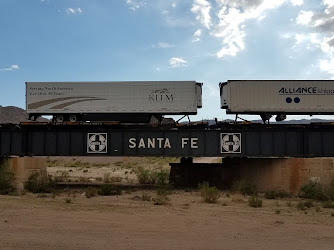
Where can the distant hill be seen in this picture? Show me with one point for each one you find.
(11, 114)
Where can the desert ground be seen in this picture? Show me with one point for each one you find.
(67, 219)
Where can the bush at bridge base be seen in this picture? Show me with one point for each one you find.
(316, 191)
(37, 184)
(6, 177)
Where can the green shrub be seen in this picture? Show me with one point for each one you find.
(146, 197)
(162, 177)
(77, 164)
(36, 184)
(146, 176)
(90, 192)
(68, 200)
(243, 187)
(328, 204)
(164, 189)
(313, 190)
(99, 165)
(330, 190)
(270, 195)
(63, 177)
(308, 204)
(107, 178)
(301, 205)
(52, 163)
(109, 189)
(161, 200)
(83, 179)
(277, 211)
(6, 180)
(209, 194)
(283, 194)
(254, 201)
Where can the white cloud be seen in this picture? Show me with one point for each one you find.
(165, 12)
(135, 4)
(163, 45)
(319, 35)
(261, 17)
(304, 17)
(327, 66)
(228, 24)
(73, 11)
(13, 67)
(297, 2)
(173, 5)
(299, 38)
(177, 62)
(329, 3)
(198, 33)
(202, 9)
(285, 35)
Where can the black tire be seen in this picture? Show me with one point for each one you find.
(59, 118)
(73, 118)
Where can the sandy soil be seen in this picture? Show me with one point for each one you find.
(119, 170)
(69, 220)
(128, 222)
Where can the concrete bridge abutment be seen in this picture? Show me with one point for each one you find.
(22, 168)
(267, 174)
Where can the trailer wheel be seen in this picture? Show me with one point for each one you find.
(59, 118)
(73, 118)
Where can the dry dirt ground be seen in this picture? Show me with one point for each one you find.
(70, 220)
(127, 222)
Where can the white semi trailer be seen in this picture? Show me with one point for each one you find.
(126, 101)
(277, 97)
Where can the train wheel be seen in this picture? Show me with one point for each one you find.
(59, 118)
(73, 118)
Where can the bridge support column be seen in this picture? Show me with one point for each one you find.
(266, 174)
(23, 168)
(282, 174)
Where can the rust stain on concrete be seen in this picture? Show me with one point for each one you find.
(295, 174)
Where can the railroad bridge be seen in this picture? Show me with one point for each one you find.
(194, 140)
(245, 148)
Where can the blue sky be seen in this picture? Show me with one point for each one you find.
(209, 41)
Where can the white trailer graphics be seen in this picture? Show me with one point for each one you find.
(127, 101)
(277, 97)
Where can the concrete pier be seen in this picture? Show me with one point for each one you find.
(23, 168)
(266, 174)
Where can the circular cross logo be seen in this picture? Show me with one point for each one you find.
(97, 143)
(231, 143)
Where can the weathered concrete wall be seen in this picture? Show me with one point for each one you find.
(24, 167)
(286, 174)
(266, 174)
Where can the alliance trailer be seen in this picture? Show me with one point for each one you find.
(277, 97)
(127, 101)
